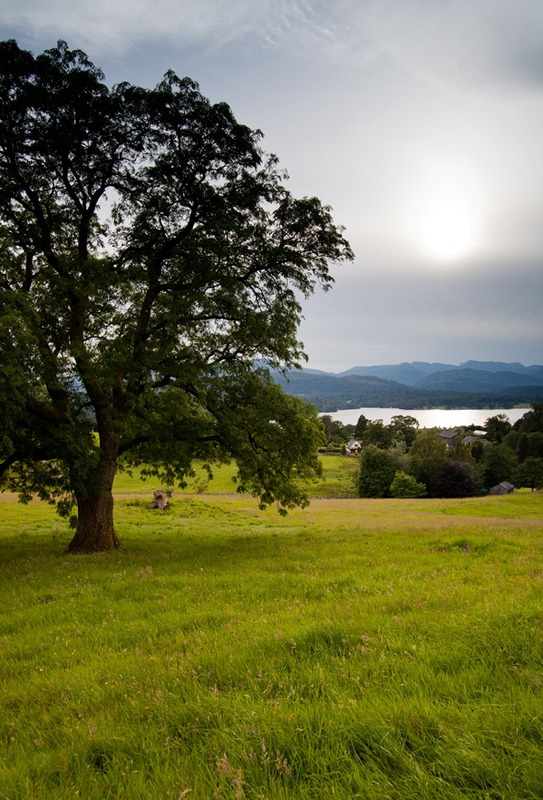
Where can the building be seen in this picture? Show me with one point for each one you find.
(353, 447)
(502, 488)
(449, 436)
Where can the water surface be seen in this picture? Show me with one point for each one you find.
(430, 417)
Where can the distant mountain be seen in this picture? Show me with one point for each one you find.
(309, 371)
(500, 366)
(419, 384)
(409, 374)
(414, 373)
(477, 380)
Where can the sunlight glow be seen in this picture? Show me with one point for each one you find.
(445, 211)
(446, 230)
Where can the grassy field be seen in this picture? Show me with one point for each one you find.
(337, 480)
(355, 649)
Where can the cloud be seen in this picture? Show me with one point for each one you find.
(462, 43)
(484, 44)
(368, 103)
(127, 23)
(124, 24)
(492, 314)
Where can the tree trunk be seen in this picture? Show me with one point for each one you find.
(95, 530)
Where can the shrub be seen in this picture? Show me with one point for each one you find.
(405, 485)
(456, 479)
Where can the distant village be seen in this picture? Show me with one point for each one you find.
(455, 462)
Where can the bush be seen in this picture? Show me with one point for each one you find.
(456, 479)
(405, 485)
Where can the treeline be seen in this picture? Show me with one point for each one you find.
(401, 460)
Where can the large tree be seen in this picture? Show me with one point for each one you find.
(151, 259)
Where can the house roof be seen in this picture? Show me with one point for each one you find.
(448, 433)
(469, 439)
(502, 488)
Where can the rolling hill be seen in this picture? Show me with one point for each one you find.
(419, 384)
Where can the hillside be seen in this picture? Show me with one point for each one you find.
(408, 374)
(419, 385)
(477, 380)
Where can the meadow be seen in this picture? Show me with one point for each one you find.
(376, 649)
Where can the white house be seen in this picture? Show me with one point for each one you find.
(353, 447)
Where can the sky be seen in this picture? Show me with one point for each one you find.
(420, 122)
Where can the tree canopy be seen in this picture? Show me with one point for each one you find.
(151, 262)
(377, 471)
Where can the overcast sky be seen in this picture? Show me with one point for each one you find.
(419, 121)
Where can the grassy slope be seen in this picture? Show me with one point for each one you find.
(337, 480)
(359, 648)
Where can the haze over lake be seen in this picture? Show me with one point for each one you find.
(429, 417)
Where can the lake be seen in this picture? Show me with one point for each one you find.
(430, 417)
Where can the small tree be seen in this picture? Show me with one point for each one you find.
(150, 257)
(377, 470)
(428, 455)
(499, 464)
(532, 421)
(530, 444)
(404, 428)
(477, 451)
(497, 427)
(378, 434)
(405, 485)
(360, 427)
(456, 479)
(335, 431)
(530, 473)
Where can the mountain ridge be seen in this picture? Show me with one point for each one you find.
(419, 385)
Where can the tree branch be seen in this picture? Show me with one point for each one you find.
(41, 409)
(9, 462)
(29, 275)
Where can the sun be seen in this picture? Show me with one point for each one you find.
(446, 229)
(445, 210)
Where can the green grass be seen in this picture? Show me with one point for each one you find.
(337, 480)
(356, 649)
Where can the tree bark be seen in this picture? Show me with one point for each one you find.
(95, 530)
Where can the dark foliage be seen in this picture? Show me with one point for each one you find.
(456, 479)
(500, 464)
